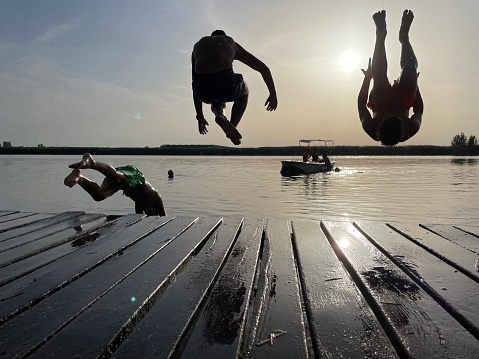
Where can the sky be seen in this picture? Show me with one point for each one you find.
(117, 73)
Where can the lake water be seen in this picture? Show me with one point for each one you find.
(387, 189)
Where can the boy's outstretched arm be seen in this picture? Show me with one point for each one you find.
(256, 64)
(202, 123)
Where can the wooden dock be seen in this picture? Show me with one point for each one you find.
(80, 285)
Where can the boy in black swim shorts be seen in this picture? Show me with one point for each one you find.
(215, 83)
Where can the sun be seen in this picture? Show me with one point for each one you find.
(349, 60)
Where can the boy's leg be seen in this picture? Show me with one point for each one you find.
(408, 78)
(239, 106)
(379, 65)
(238, 110)
(73, 178)
(96, 192)
(86, 162)
(104, 168)
(218, 109)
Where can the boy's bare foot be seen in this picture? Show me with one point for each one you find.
(73, 178)
(406, 21)
(380, 21)
(231, 132)
(87, 161)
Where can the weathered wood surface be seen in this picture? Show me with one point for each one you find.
(77, 285)
(221, 326)
(342, 323)
(17, 220)
(474, 230)
(6, 213)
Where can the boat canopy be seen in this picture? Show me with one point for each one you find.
(309, 141)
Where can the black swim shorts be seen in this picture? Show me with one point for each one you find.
(224, 86)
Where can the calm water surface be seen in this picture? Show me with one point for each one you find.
(386, 189)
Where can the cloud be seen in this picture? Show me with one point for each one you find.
(57, 31)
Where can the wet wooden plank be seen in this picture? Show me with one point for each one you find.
(165, 252)
(90, 234)
(342, 324)
(61, 309)
(36, 229)
(23, 245)
(15, 215)
(474, 230)
(220, 329)
(280, 306)
(423, 327)
(39, 284)
(451, 288)
(6, 213)
(455, 235)
(176, 308)
(22, 221)
(459, 257)
(71, 300)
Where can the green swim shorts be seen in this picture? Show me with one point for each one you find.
(134, 178)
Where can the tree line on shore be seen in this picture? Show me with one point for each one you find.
(215, 150)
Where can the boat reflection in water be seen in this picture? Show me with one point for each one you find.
(464, 161)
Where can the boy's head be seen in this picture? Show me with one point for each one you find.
(391, 131)
(218, 33)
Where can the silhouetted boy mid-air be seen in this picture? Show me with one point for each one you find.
(215, 83)
(390, 122)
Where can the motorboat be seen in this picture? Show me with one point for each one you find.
(313, 157)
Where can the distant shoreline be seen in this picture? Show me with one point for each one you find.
(213, 150)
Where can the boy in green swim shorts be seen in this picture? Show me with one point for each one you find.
(127, 178)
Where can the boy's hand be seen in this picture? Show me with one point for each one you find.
(202, 123)
(271, 102)
(368, 73)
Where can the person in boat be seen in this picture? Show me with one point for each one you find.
(306, 155)
(327, 162)
(127, 178)
(390, 104)
(215, 83)
(315, 155)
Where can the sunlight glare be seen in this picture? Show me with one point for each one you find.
(343, 242)
(349, 60)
